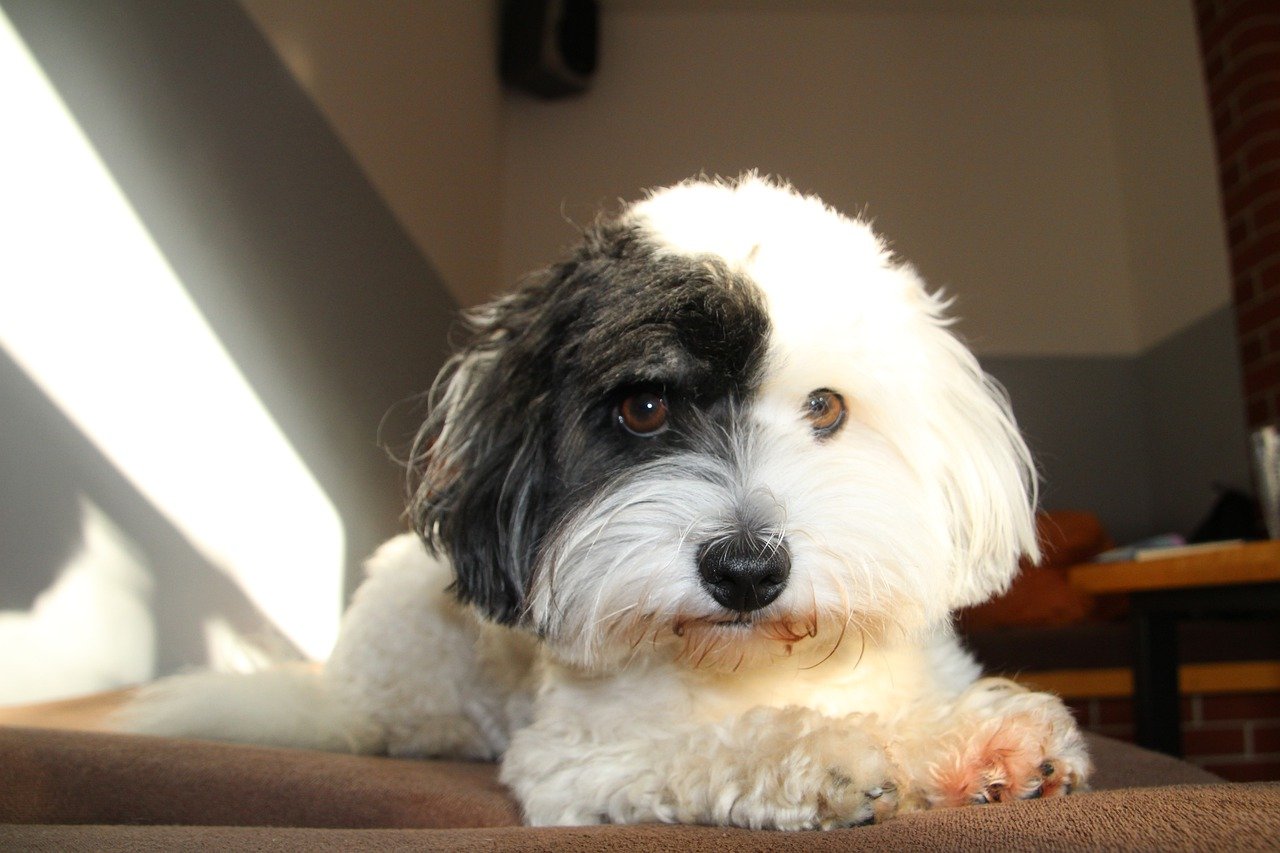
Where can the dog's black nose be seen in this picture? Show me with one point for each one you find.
(744, 573)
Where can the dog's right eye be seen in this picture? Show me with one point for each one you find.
(824, 410)
(643, 413)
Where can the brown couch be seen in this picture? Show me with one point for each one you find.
(73, 788)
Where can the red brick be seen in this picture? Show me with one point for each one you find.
(1238, 233)
(1262, 375)
(1266, 738)
(1214, 741)
(1235, 17)
(1268, 277)
(1243, 292)
(1255, 94)
(1246, 285)
(1238, 74)
(1261, 250)
(1268, 334)
(1214, 67)
(1257, 413)
(1229, 176)
(1266, 212)
(1262, 378)
(1225, 119)
(1251, 349)
(1256, 315)
(1242, 706)
(1259, 33)
(1261, 123)
(1250, 189)
(1256, 771)
(1260, 153)
(1112, 711)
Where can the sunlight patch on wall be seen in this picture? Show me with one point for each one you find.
(90, 308)
(91, 630)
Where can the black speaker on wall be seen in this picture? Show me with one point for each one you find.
(549, 47)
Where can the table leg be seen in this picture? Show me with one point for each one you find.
(1156, 708)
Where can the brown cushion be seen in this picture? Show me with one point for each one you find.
(73, 790)
(55, 776)
(1188, 817)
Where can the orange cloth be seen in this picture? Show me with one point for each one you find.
(1041, 594)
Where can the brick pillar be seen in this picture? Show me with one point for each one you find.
(1240, 47)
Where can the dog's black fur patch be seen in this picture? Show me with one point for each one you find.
(531, 431)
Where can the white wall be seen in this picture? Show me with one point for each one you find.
(1173, 219)
(986, 139)
(1051, 164)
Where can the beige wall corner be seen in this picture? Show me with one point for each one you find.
(412, 90)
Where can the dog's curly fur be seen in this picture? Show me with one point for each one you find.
(698, 503)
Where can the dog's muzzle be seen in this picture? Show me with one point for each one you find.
(744, 573)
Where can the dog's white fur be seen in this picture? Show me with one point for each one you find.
(845, 700)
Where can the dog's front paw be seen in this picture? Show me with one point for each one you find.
(769, 768)
(858, 785)
(1008, 743)
(834, 774)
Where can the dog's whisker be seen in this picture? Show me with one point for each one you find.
(608, 617)
(832, 652)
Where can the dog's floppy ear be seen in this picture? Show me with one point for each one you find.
(482, 459)
(987, 475)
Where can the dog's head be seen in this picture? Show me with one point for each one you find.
(732, 421)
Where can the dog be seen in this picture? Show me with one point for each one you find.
(693, 510)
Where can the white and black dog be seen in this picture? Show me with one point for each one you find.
(698, 504)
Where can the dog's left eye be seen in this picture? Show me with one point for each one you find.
(824, 410)
(643, 414)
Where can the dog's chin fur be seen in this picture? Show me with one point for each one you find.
(584, 640)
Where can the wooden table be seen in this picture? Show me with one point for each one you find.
(1233, 579)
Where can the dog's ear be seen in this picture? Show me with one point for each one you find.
(482, 460)
(988, 479)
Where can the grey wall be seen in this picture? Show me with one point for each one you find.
(1194, 415)
(1140, 440)
(1082, 418)
(325, 304)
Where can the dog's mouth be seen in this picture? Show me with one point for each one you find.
(737, 622)
(783, 628)
(742, 621)
(730, 640)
